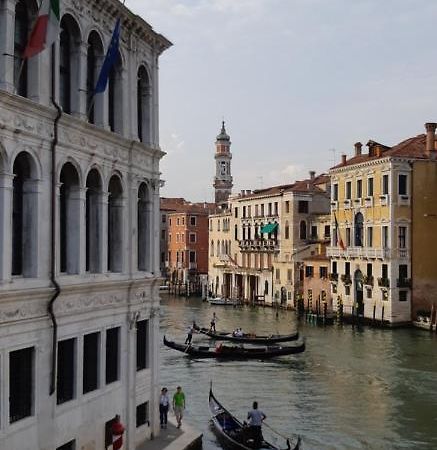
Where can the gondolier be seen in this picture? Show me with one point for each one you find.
(213, 322)
(256, 417)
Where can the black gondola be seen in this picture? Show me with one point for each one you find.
(250, 338)
(235, 435)
(236, 352)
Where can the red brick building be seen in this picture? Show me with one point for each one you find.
(184, 239)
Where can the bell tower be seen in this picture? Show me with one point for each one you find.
(223, 179)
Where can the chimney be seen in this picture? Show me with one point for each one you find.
(358, 146)
(343, 159)
(378, 151)
(242, 192)
(430, 138)
(312, 174)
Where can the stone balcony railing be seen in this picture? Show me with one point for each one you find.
(259, 245)
(358, 252)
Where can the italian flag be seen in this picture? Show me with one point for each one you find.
(46, 29)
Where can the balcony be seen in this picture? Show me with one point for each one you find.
(384, 199)
(403, 253)
(333, 277)
(384, 282)
(368, 202)
(404, 200)
(347, 204)
(404, 283)
(368, 280)
(261, 245)
(334, 204)
(346, 279)
(358, 252)
(358, 202)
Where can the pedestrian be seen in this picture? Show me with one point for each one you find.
(189, 335)
(179, 405)
(256, 417)
(164, 403)
(214, 319)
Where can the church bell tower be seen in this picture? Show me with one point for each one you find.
(223, 179)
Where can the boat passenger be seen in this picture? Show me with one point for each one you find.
(256, 417)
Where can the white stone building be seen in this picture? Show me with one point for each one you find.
(79, 223)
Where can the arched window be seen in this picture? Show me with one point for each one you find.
(249, 232)
(223, 248)
(266, 287)
(143, 106)
(218, 248)
(24, 217)
(144, 212)
(359, 221)
(93, 222)
(94, 58)
(287, 230)
(212, 248)
(69, 217)
(22, 26)
(115, 225)
(115, 94)
(303, 230)
(69, 42)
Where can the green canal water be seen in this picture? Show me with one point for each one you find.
(351, 389)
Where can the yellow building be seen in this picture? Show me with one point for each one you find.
(269, 232)
(381, 210)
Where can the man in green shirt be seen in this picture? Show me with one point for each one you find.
(179, 405)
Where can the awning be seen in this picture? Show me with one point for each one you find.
(269, 228)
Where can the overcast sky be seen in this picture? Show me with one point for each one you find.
(294, 79)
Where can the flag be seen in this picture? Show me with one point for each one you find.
(337, 233)
(46, 29)
(110, 59)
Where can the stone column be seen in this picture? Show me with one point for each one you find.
(75, 231)
(154, 228)
(79, 98)
(7, 26)
(81, 241)
(103, 230)
(6, 190)
(31, 235)
(101, 102)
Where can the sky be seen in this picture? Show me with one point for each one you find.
(297, 82)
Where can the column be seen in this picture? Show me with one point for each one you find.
(81, 244)
(7, 27)
(103, 230)
(79, 98)
(101, 102)
(31, 238)
(6, 190)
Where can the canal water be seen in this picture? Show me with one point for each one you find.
(351, 388)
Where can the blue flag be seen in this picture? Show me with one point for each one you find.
(110, 59)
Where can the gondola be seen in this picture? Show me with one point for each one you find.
(236, 351)
(250, 338)
(233, 434)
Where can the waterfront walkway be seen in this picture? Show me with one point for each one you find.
(172, 438)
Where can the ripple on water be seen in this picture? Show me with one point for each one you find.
(351, 389)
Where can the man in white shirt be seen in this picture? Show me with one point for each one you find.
(256, 417)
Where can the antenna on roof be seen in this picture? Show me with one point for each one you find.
(334, 152)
